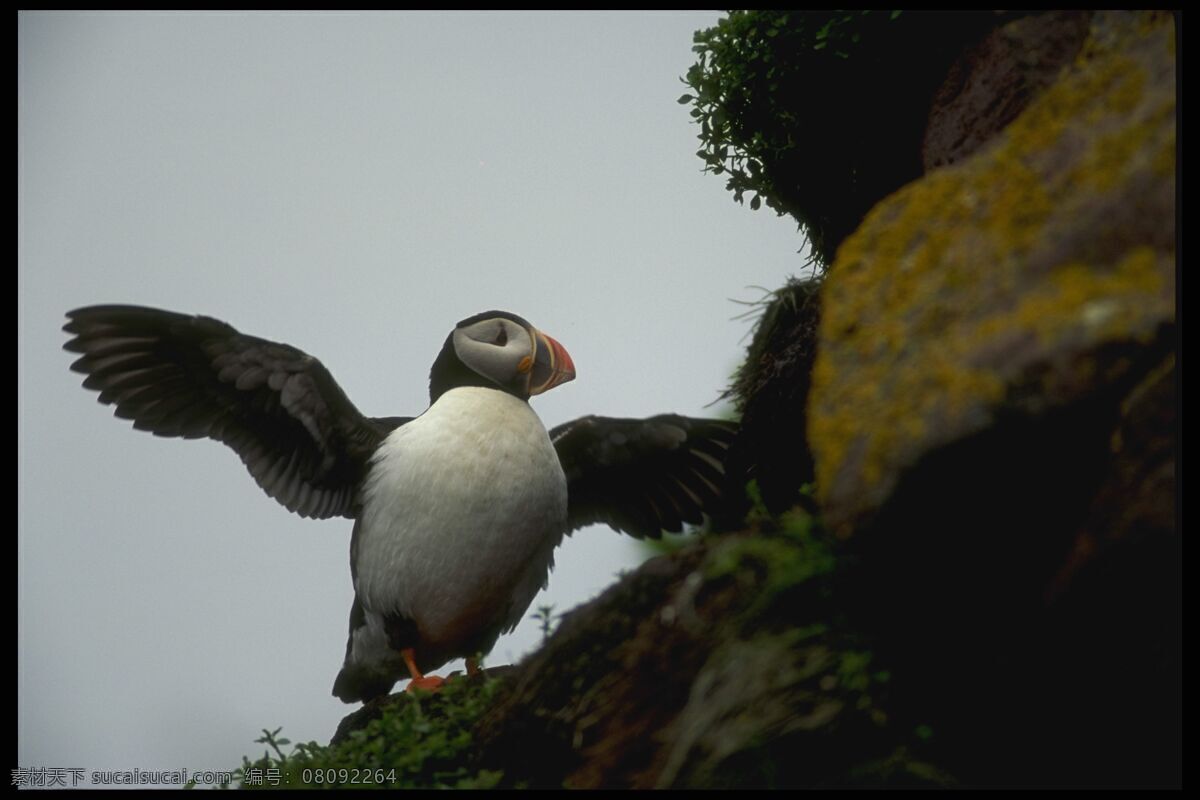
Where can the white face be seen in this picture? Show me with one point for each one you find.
(496, 348)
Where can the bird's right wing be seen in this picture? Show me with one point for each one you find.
(642, 476)
(298, 434)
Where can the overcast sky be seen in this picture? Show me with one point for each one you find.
(352, 184)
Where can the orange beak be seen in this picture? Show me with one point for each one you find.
(552, 365)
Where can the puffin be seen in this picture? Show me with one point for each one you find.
(457, 511)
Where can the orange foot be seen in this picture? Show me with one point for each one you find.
(430, 683)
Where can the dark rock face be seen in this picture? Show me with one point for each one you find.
(586, 706)
(993, 419)
(706, 669)
(992, 82)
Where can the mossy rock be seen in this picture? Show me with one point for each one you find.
(992, 425)
(720, 665)
(1007, 282)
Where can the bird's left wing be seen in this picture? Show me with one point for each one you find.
(188, 376)
(642, 476)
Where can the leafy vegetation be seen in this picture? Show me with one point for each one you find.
(547, 620)
(419, 741)
(819, 114)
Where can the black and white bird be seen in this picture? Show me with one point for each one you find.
(457, 511)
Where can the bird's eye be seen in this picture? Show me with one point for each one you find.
(502, 337)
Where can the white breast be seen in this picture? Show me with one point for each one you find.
(462, 510)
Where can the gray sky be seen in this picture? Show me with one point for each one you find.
(352, 184)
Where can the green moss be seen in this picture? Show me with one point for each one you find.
(420, 741)
(900, 770)
(773, 565)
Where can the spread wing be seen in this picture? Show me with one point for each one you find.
(642, 476)
(298, 434)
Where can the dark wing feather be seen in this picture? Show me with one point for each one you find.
(642, 476)
(298, 434)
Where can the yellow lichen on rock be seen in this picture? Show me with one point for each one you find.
(1046, 242)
